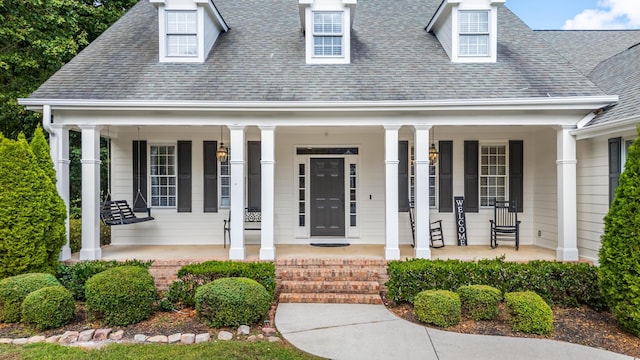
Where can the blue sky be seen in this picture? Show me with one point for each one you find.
(578, 14)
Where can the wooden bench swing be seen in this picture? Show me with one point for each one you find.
(118, 212)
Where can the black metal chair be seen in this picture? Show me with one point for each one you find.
(435, 230)
(505, 224)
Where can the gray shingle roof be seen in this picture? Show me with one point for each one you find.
(262, 59)
(620, 75)
(587, 48)
(611, 59)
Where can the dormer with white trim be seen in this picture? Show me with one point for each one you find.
(326, 25)
(467, 29)
(187, 29)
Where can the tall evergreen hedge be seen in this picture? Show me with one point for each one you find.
(620, 252)
(32, 214)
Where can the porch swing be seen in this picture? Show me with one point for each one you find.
(118, 212)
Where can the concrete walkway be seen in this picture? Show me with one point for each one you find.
(352, 331)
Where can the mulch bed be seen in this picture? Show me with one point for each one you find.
(575, 325)
(582, 326)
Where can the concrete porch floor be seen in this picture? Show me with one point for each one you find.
(216, 252)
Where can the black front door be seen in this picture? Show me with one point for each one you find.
(327, 197)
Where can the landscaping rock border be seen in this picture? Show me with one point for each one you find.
(95, 338)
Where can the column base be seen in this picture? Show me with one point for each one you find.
(423, 253)
(391, 253)
(65, 253)
(236, 253)
(90, 254)
(267, 254)
(567, 254)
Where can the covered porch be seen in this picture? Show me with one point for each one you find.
(199, 253)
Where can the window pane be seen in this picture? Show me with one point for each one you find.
(181, 22)
(162, 176)
(327, 23)
(327, 45)
(474, 45)
(474, 22)
(182, 45)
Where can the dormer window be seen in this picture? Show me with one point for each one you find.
(327, 34)
(187, 29)
(467, 29)
(474, 33)
(327, 30)
(182, 33)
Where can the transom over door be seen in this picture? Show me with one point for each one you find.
(327, 197)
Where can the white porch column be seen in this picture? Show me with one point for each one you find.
(90, 193)
(392, 249)
(567, 200)
(267, 181)
(236, 248)
(421, 166)
(59, 144)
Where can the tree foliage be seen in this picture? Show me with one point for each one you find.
(32, 215)
(620, 251)
(37, 37)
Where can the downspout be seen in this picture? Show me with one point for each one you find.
(46, 119)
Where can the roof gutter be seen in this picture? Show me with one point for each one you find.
(627, 124)
(515, 104)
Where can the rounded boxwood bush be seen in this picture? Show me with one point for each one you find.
(14, 289)
(529, 313)
(232, 302)
(48, 308)
(438, 307)
(121, 296)
(480, 302)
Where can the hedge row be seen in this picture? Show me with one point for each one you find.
(190, 277)
(563, 284)
(74, 276)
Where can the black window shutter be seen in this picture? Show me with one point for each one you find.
(615, 166)
(471, 185)
(140, 175)
(516, 172)
(184, 176)
(253, 175)
(210, 167)
(403, 176)
(445, 176)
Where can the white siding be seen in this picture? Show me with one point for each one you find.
(545, 197)
(593, 194)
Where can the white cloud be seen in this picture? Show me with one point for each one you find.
(609, 14)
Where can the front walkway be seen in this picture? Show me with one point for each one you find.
(356, 331)
(198, 253)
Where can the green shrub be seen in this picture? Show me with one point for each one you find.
(32, 215)
(479, 302)
(562, 284)
(190, 277)
(14, 289)
(121, 296)
(232, 302)
(48, 308)
(619, 256)
(529, 313)
(438, 307)
(74, 276)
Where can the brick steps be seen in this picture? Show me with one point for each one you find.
(359, 281)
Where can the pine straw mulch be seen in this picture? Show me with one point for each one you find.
(582, 326)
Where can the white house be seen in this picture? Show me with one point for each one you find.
(328, 109)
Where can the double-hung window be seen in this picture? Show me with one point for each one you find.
(432, 181)
(327, 34)
(163, 175)
(182, 37)
(493, 174)
(474, 33)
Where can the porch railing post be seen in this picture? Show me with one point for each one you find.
(567, 198)
(421, 201)
(90, 193)
(267, 163)
(392, 249)
(237, 248)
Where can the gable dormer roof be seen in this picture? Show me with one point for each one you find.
(187, 29)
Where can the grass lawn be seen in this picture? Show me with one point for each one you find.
(211, 350)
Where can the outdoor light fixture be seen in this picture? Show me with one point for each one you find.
(222, 153)
(433, 151)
